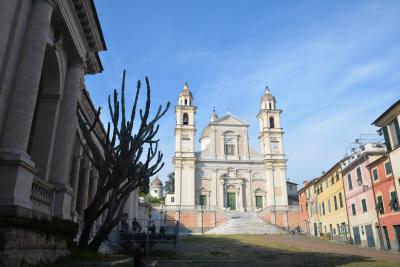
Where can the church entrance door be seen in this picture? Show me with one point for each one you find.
(231, 197)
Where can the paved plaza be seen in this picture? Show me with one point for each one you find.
(268, 250)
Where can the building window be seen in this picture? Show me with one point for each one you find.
(155, 191)
(335, 202)
(270, 105)
(379, 206)
(203, 200)
(185, 119)
(186, 103)
(337, 176)
(364, 205)
(229, 147)
(323, 208)
(271, 122)
(359, 177)
(388, 168)
(394, 204)
(349, 181)
(172, 199)
(329, 205)
(340, 200)
(375, 174)
(353, 209)
(326, 183)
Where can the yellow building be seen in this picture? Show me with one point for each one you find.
(333, 219)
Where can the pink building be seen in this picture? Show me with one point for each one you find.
(360, 196)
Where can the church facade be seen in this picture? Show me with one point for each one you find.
(227, 174)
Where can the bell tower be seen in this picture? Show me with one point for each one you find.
(271, 141)
(184, 159)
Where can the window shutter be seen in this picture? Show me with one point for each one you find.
(387, 140)
(397, 128)
(393, 201)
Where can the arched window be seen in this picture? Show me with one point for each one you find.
(185, 118)
(185, 102)
(270, 106)
(271, 122)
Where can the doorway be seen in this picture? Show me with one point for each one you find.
(370, 236)
(259, 202)
(231, 201)
(385, 232)
(397, 233)
(315, 229)
(356, 232)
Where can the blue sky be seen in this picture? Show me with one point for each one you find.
(333, 66)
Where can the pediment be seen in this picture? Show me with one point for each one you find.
(230, 119)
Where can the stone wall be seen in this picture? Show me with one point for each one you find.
(194, 221)
(20, 248)
(284, 219)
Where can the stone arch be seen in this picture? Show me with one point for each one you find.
(271, 122)
(185, 119)
(44, 122)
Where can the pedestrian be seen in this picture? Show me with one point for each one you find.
(149, 222)
(162, 232)
(136, 227)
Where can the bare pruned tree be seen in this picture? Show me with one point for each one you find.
(125, 159)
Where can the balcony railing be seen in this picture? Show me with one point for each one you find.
(42, 196)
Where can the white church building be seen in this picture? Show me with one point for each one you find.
(227, 174)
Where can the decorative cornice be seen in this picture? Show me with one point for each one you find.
(91, 28)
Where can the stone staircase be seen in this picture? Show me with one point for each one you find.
(245, 223)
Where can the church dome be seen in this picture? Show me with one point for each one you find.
(156, 182)
(267, 96)
(206, 132)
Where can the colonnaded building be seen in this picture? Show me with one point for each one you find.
(227, 176)
(46, 181)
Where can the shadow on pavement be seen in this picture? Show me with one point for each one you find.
(242, 251)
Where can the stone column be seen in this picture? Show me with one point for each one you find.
(239, 199)
(84, 185)
(237, 146)
(16, 168)
(21, 107)
(224, 196)
(76, 165)
(94, 176)
(65, 139)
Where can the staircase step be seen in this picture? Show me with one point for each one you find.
(245, 223)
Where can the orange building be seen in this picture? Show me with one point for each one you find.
(304, 217)
(387, 204)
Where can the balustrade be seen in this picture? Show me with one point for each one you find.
(42, 196)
